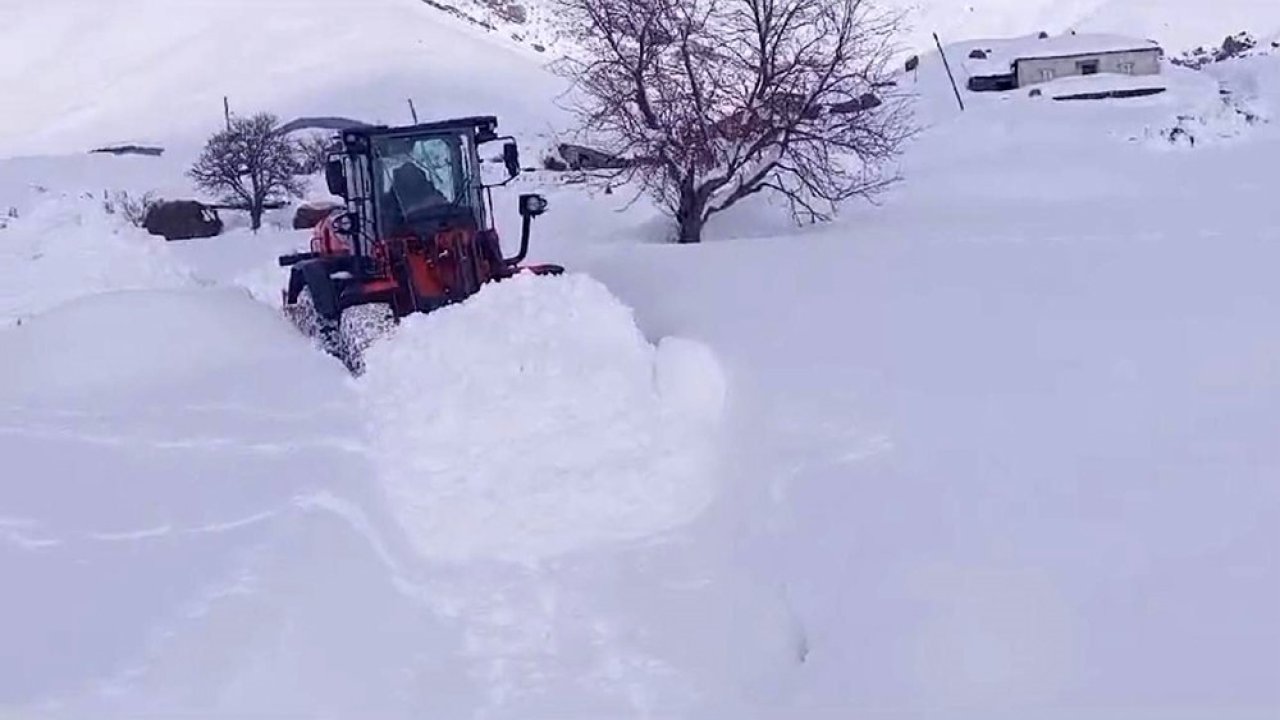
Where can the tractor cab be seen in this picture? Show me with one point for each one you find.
(412, 181)
(423, 180)
(416, 232)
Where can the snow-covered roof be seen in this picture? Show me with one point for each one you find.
(1002, 54)
(1068, 45)
(988, 67)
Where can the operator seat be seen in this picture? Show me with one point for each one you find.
(414, 191)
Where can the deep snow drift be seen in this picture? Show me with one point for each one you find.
(69, 247)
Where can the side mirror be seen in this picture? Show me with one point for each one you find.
(511, 158)
(531, 206)
(336, 178)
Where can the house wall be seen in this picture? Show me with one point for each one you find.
(1032, 71)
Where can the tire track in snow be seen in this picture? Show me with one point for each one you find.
(182, 444)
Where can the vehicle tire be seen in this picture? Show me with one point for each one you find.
(359, 328)
(326, 333)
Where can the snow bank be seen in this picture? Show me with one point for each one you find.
(128, 343)
(70, 247)
(1254, 83)
(535, 419)
(1243, 107)
(245, 259)
(1101, 83)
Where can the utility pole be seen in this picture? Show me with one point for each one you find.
(226, 110)
(947, 65)
(413, 111)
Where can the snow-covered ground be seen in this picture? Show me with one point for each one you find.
(202, 512)
(1178, 24)
(1001, 447)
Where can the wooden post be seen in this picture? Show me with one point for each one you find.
(413, 111)
(946, 64)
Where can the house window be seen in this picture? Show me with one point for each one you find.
(1126, 68)
(1047, 74)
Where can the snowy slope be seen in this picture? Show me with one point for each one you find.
(1177, 24)
(136, 74)
(85, 74)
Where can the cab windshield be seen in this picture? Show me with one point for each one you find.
(424, 180)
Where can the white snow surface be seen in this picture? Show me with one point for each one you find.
(84, 74)
(216, 519)
(536, 420)
(1002, 446)
(69, 247)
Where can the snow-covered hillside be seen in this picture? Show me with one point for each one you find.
(1000, 447)
(1178, 24)
(82, 74)
(153, 70)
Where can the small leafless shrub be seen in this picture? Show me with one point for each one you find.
(132, 208)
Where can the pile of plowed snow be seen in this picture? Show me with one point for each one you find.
(70, 247)
(536, 419)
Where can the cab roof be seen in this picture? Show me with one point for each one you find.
(480, 124)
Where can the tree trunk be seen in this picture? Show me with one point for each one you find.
(691, 230)
(255, 216)
(689, 216)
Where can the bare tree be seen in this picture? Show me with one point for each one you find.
(714, 101)
(250, 165)
(131, 207)
(313, 151)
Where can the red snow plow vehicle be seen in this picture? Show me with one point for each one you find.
(416, 232)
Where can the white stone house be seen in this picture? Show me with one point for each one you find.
(1067, 55)
(1010, 64)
